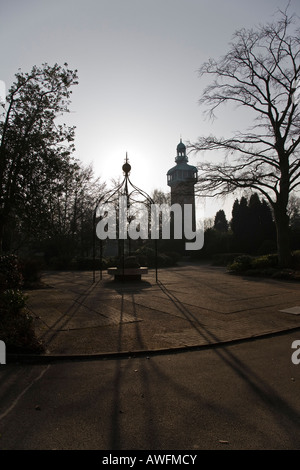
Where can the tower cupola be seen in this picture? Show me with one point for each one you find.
(181, 153)
(182, 172)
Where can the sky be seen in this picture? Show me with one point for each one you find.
(137, 63)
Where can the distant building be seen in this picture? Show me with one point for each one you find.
(182, 179)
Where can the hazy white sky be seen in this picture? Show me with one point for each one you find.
(137, 63)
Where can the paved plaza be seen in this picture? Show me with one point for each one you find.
(157, 365)
(191, 305)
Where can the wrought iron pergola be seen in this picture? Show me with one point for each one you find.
(133, 195)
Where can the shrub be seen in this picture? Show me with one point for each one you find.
(31, 271)
(266, 261)
(146, 257)
(224, 259)
(16, 325)
(265, 266)
(11, 275)
(129, 262)
(17, 331)
(285, 274)
(13, 300)
(241, 264)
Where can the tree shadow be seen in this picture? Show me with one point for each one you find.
(116, 437)
(282, 412)
(261, 388)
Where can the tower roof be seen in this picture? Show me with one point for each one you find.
(182, 171)
(182, 166)
(181, 153)
(181, 146)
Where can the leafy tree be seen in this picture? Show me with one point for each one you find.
(35, 150)
(258, 73)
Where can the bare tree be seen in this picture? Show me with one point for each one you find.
(260, 73)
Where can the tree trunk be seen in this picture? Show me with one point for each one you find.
(283, 237)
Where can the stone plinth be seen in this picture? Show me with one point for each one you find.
(127, 274)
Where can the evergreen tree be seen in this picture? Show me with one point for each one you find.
(255, 223)
(252, 224)
(220, 222)
(240, 224)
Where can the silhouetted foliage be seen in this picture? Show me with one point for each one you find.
(35, 150)
(258, 73)
(46, 195)
(252, 225)
(220, 222)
